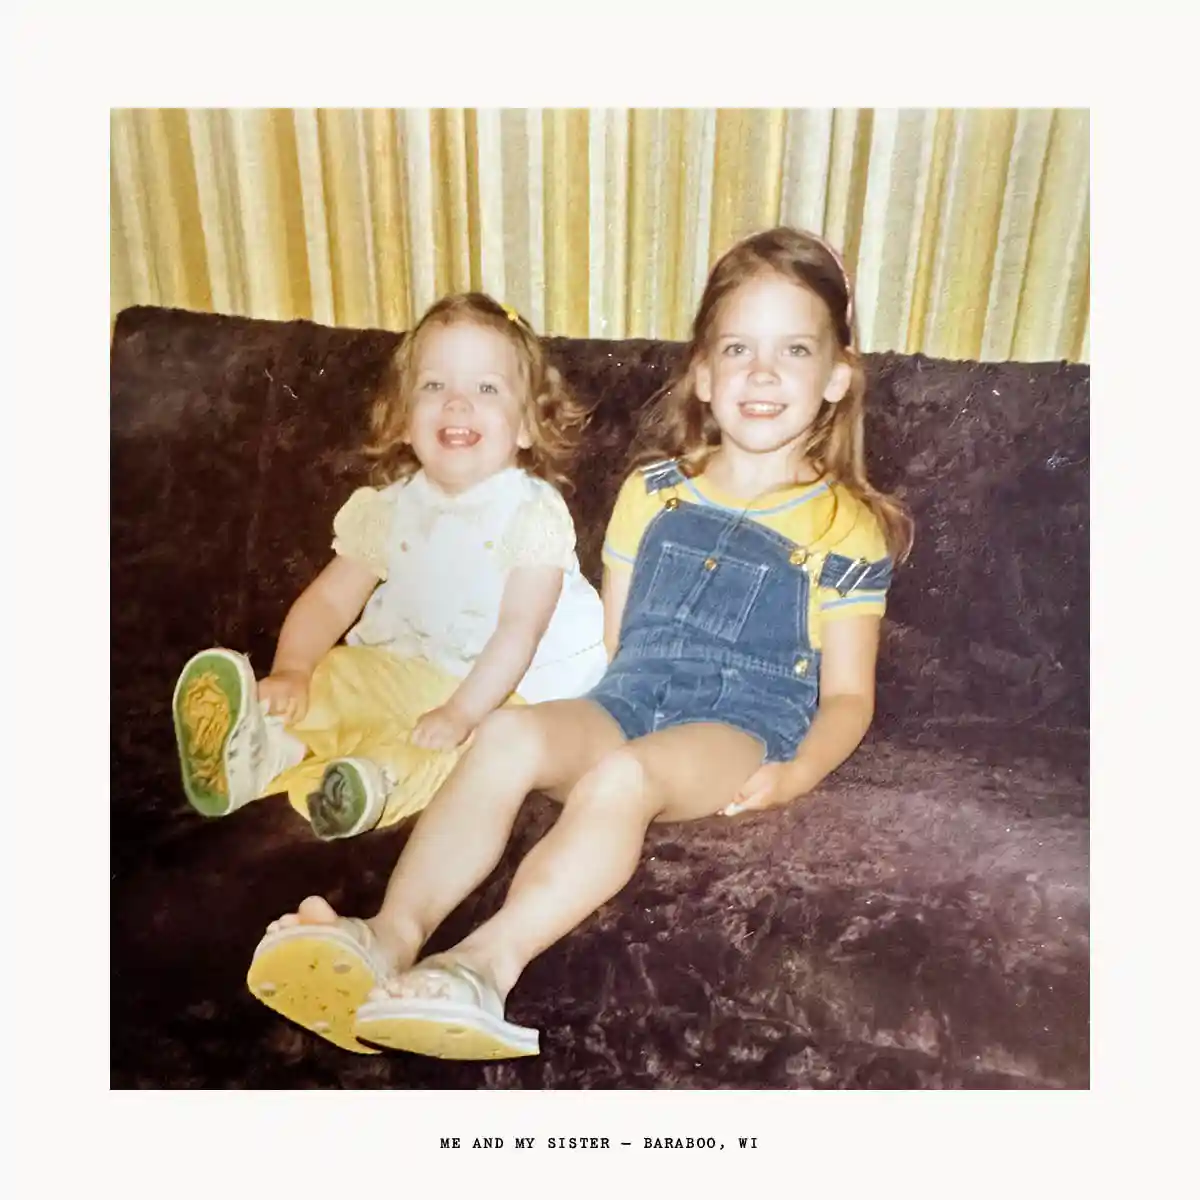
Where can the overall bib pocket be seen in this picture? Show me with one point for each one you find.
(710, 592)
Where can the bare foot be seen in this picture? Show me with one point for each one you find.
(313, 910)
(389, 948)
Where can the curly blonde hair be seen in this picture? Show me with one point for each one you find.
(677, 425)
(556, 420)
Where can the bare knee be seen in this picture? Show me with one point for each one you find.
(510, 734)
(619, 783)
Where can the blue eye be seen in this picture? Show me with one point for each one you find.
(733, 349)
(431, 385)
(489, 387)
(799, 350)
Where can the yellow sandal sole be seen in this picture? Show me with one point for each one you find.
(440, 1037)
(315, 983)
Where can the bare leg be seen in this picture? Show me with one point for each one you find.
(461, 835)
(592, 851)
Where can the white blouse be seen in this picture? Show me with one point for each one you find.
(443, 561)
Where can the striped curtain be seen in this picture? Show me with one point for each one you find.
(966, 230)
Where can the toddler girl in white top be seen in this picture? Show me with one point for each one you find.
(458, 575)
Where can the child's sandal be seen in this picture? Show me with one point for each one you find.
(450, 1012)
(318, 976)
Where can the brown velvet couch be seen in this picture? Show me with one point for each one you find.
(919, 922)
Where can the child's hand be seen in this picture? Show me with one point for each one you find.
(286, 694)
(441, 729)
(772, 785)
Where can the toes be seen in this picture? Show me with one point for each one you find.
(312, 911)
(315, 910)
(416, 984)
(396, 987)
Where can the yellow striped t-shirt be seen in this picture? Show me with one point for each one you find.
(816, 516)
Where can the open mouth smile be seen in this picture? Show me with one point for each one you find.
(760, 409)
(457, 437)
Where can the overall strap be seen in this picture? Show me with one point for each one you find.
(662, 474)
(855, 574)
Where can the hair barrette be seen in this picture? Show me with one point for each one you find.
(511, 314)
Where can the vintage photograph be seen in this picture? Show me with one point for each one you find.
(600, 600)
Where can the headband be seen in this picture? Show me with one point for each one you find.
(841, 266)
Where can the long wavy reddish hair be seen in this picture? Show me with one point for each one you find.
(556, 420)
(676, 424)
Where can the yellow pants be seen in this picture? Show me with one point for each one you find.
(363, 702)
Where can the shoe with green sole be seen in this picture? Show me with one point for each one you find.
(350, 799)
(220, 732)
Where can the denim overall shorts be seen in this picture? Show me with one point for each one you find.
(716, 624)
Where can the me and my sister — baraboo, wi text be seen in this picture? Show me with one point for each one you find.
(580, 1142)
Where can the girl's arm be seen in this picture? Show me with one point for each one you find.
(847, 702)
(315, 623)
(843, 717)
(530, 597)
(321, 615)
(614, 591)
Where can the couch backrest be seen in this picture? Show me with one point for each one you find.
(232, 447)
(991, 614)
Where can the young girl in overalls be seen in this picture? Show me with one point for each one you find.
(459, 575)
(746, 568)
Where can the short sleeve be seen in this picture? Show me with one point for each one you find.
(631, 514)
(362, 529)
(868, 580)
(541, 533)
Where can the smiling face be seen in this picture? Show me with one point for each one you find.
(772, 361)
(467, 411)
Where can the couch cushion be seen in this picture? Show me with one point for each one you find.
(920, 922)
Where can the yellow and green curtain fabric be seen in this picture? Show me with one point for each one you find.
(966, 230)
